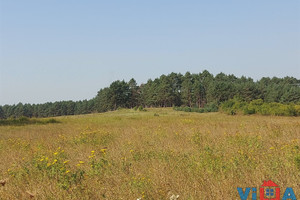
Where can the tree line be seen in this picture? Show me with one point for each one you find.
(201, 90)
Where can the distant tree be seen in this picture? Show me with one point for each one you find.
(119, 94)
(291, 95)
(199, 92)
(2, 114)
(247, 89)
(19, 110)
(175, 82)
(103, 102)
(207, 80)
(27, 110)
(149, 93)
(187, 89)
(165, 93)
(70, 106)
(134, 93)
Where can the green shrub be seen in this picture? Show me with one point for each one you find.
(187, 109)
(51, 121)
(291, 109)
(211, 107)
(233, 106)
(140, 108)
(25, 121)
(207, 108)
(297, 110)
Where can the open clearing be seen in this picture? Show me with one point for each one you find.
(130, 154)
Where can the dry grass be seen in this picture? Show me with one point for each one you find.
(130, 154)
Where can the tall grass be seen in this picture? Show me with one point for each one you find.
(129, 154)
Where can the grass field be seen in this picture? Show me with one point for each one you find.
(130, 154)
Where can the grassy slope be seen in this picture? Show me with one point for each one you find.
(197, 156)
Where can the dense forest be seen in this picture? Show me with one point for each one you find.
(203, 90)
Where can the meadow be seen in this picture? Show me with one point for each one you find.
(155, 154)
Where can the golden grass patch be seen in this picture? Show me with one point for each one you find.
(156, 154)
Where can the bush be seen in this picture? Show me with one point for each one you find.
(258, 106)
(249, 111)
(297, 110)
(199, 110)
(25, 121)
(229, 107)
(212, 107)
(208, 108)
(292, 110)
(253, 107)
(187, 109)
(51, 121)
(141, 108)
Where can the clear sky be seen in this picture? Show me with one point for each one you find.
(56, 50)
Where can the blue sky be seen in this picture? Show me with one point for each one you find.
(68, 50)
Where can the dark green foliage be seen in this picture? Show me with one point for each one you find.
(207, 108)
(185, 109)
(134, 94)
(2, 114)
(202, 92)
(25, 121)
(211, 107)
(141, 108)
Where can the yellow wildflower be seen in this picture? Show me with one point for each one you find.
(103, 151)
(66, 161)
